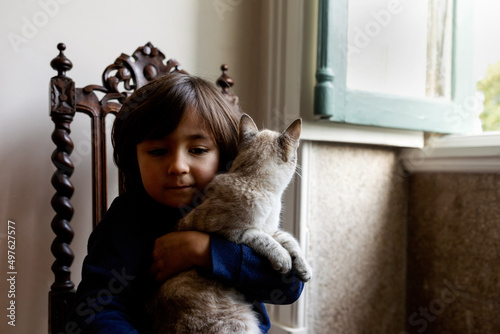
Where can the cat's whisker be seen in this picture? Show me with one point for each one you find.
(298, 171)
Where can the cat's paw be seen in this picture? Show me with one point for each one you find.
(302, 269)
(281, 260)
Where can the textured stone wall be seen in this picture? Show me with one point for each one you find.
(454, 253)
(357, 240)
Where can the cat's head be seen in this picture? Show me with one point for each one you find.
(268, 153)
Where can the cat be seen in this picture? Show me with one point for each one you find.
(244, 206)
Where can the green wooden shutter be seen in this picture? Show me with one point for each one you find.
(334, 101)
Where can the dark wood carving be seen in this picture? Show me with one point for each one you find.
(119, 81)
(62, 97)
(226, 83)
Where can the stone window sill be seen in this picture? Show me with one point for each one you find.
(358, 134)
(468, 154)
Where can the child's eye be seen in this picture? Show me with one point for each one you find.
(198, 150)
(157, 152)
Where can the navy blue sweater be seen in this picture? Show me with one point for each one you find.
(116, 282)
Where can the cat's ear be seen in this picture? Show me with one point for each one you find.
(293, 131)
(289, 140)
(247, 127)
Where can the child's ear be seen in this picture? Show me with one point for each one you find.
(247, 127)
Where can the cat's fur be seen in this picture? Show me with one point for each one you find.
(243, 206)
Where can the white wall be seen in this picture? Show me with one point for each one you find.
(200, 34)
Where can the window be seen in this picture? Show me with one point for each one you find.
(397, 63)
(487, 61)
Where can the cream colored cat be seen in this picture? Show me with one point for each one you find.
(243, 205)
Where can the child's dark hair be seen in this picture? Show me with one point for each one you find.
(156, 109)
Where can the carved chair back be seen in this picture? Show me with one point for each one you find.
(145, 64)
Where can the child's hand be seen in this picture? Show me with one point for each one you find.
(179, 251)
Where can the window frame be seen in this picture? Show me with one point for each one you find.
(334, 101)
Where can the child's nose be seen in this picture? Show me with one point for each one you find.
(178, 164)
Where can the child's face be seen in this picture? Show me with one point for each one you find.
(179, 166)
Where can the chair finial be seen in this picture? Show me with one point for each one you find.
(225, 81)
(60, 63)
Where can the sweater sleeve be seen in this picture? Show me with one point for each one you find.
(239, 266)
(103, 301)
(111, 296)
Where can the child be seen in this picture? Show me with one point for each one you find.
(170, 138)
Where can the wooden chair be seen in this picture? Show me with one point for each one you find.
(146, 63)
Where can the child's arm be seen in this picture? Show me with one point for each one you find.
(109, 296)
(239, 266)
(180, 251)
(115, 274)
(236, 265)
